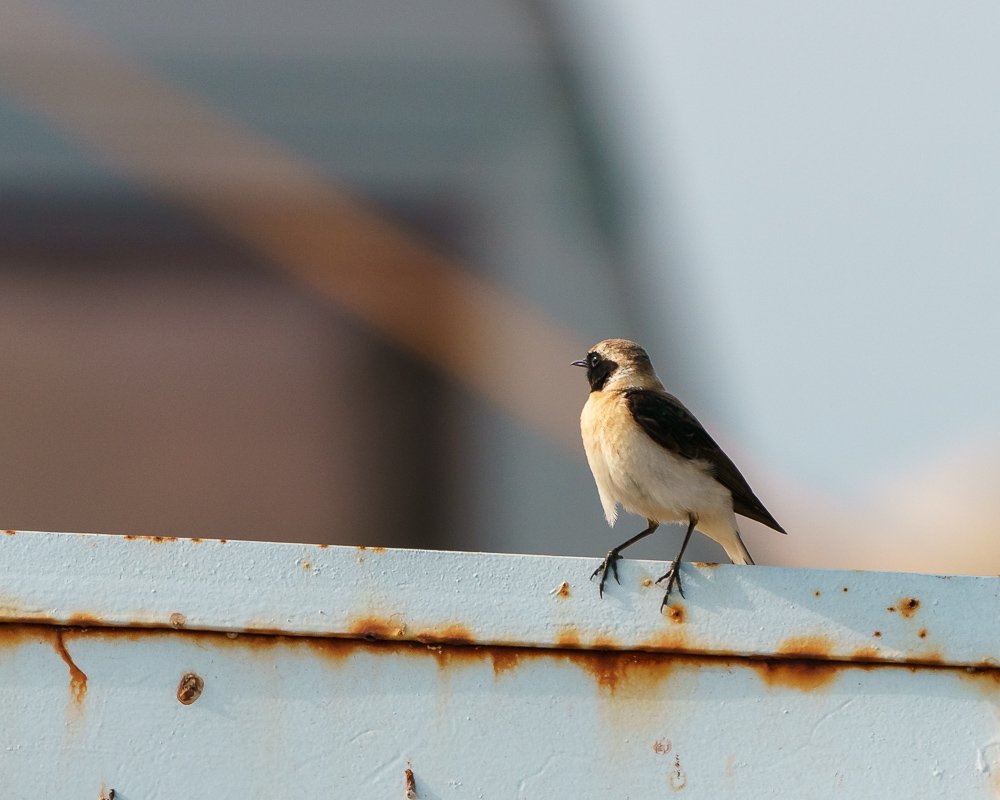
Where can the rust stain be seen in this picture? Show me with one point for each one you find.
(803, 670)
(614, 670)
(877, 634)
(411, 785)
(796, 673)
(673, 640)
(662, 746)
(922, 633)
(10, 533)
(647, 582)
(930, 659)
(505, 659)
(816, 593)
(908, 606)
(455, 633)
(678, 778)
(676, 613)
(375, 628)
(866, 654)
(223, 541)
(190, 688)
(77, 677)
(306, 565)
(567, 637)
(563, 589)
(157, 539)
(844, 589)
(177, 620)
(816, 646)
(323, 546)
(891, 609)
(377, 549)
(195, 541)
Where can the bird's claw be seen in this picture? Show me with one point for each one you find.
(610, 562)
(673, 578)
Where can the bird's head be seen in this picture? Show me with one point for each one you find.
(619, 364)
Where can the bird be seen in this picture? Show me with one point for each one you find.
(652, 457)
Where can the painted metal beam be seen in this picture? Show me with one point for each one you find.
(148, 669)
(496, 599)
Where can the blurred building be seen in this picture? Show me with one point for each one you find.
(315, 271)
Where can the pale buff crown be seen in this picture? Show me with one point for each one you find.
(632, 368)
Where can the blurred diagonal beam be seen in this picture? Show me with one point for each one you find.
(256, 190)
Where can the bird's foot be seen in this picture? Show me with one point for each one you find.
(673, 578)
(610, 562)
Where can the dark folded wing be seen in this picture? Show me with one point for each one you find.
(673, 427)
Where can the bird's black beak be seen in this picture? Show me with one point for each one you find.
(579, 364)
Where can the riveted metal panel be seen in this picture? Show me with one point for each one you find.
(127, 665)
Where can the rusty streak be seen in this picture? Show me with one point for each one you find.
(613, 671)
(77, 677)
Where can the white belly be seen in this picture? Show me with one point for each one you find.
(644, 478)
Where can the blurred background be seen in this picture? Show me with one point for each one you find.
(315, 271)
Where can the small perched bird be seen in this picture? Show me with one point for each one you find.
(651, 456)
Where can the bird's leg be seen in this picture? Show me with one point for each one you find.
(611, 561)
(673, 575)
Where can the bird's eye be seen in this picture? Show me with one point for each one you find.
(593, 359)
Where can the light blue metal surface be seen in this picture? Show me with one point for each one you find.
(522, 709)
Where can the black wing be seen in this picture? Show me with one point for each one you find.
(673, 427)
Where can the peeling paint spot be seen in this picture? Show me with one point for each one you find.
(908, 606)
(306, 565)
(411, 785)
(190, 688)
(563, 590)
(647, 582)
(662, 747)
(77, 677)
(177, 620)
